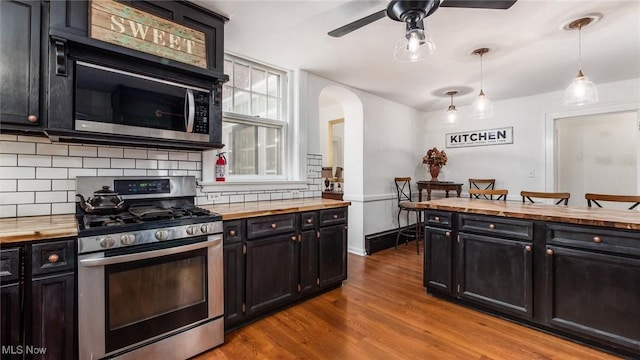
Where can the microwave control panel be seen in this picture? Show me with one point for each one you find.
(201, 122)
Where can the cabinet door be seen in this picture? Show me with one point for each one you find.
(594, 294)
(272, 272)
(233, 284)
(20, 59)
(53, 304)
(308, 262)
(332, 254)
(10, 326)
(437, 259)
(497, 273)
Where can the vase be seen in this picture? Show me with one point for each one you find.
(435, 171)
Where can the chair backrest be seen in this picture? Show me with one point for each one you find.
(634, 199)
(481, 184)
(403, 187)
(501, 193)
(563, 197)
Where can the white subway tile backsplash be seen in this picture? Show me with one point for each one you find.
(110, 172)
(63, 184)
(14, 147)
(186, 165)
(34, 185)
(85, 151)
(196, 173)
(264, 197)
(276, 196)
(9, 185)
(157, 155)
(8, 160)
(52, 149)
(9, 198)
(123, 163)
(157, 172)
(98, 163)
(177, 172)
(175, 155)
(73, 173)
(146, 164)
(134, 172)
(51, 197)
(68, 162)
(34, 209)
(236, 198)
(135, 153)
(34, 139)
(286, 196)
(71, 196)
(63, 208)
(251, 197)
(10, 172)
(170, 165)
(112, 152)
(8, 137)
(34, 160)
(194, 156)
(51, 173)
(8, 211)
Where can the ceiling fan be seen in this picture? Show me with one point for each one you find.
(412, 13)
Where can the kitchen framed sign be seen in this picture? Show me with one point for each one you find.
(498, 136)
(123, 25)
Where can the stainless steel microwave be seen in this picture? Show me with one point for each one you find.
(113, 101)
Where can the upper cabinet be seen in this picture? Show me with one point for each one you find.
(20, 72)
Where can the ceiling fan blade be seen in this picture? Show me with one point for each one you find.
(479, 4)
(344, 30)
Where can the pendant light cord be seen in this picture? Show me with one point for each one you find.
(580, 48)
(481, 82)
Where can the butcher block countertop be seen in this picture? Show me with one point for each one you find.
(614, 218)
(33, 228)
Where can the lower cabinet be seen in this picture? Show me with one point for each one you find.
(273, 261)
(438, 259)
(39, 300)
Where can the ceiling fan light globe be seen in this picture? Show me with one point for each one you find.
(580, 92)
(482, 108)
(414, 45)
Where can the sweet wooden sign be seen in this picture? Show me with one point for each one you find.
(126, 26)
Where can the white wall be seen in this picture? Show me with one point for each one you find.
(510, 164)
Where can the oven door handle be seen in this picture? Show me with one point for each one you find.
(213, 241)
(189, 110)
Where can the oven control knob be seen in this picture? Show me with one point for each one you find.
(192, 230)
(127, 239)
(162, 235)
(204, 228)
(107, 242)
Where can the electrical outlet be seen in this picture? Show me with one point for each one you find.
(532, 173)
(295, 193)
(214, 196)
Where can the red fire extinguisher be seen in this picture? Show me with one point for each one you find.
(221, 165)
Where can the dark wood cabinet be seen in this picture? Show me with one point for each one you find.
(308, 261)
(11, 330)
(233, 273)
(332, 254)
(438, 259)
(20, 36)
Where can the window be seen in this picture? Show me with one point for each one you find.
(255, 119)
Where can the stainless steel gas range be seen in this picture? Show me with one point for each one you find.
(150, 276)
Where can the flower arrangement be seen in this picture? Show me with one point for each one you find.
(435, 157)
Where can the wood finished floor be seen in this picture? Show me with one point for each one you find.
(383, 312)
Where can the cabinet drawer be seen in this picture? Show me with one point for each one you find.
(438, 218)
(333, 216)
(232, 231)
(9, 265)
(614, 241)
(489, 225)
(53, 257)
(270, 225)
(308, 220)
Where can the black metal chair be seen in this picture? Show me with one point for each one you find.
(634, 199)
(405, 203)
(481, 184)
(488, 193)
(563, 197)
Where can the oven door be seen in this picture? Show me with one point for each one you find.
(134, 299)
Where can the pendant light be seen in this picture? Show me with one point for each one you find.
(415, 43)
(451, 111)
(482, 108)
(581, 91)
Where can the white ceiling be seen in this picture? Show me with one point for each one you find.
(530, 54)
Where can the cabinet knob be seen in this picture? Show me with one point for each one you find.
(232, 233)
(492, 226)
(549, 252)
(309, 221)
(597, 239)
(528, 248)
(335, 216)
(437, 218)
(53, 258)
(447, 233)
(294, 238)
(32, 119)
(274, 225)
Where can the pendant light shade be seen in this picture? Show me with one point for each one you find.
(451, 111)
(581, 91)
(482, 108)
(415, 43)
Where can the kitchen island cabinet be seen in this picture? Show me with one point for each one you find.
(572, 271)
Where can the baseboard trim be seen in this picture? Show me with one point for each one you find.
(383, 240)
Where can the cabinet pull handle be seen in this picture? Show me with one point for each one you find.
(294, 238)
(232, 233)
(299, 238)
(274, 225)
(32, 119)
(549, 252)
(309, 221)
(597, 239)
(437, 218)
(492, 226)
(447, 233)
(53, 258)
(528, 248)
(335, 216)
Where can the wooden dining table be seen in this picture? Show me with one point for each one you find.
(438, 185)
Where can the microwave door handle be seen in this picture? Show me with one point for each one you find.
(189, 110)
